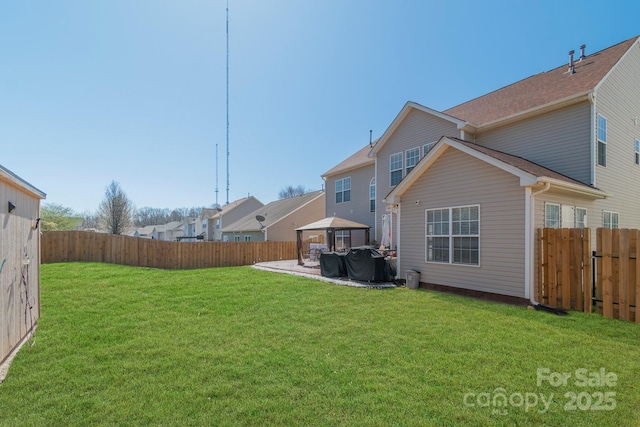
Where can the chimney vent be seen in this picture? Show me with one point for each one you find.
(582, 55)
(571, 67)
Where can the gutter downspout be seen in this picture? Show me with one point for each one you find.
(529, 240)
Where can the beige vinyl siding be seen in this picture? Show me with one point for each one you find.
(16, 237)
(417, 129)
(358, 208)
(457, 179)
(618, 99)
(284, 230)
(559, 140)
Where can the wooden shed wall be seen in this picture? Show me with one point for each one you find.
(19, 280)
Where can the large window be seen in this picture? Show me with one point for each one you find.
(610, 219)
(412, 158)
(564, 216)
(395, 168)
(602, 141)
(372, 195)
(453, 235)
(343, 190)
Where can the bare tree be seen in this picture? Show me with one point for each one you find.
(291, 191)
(116, 210)
(89, 221)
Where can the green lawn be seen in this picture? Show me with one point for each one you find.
(237, 346)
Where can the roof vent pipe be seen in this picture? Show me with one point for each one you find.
(571, 67)
(582, 55)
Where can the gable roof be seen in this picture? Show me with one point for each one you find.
(530, 173)
(15, 180)
(408, 107)
(211, 213)
(542, 89)
(357, 160)
(272, 213)
(335, 223)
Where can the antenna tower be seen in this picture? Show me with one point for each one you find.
(227, 101)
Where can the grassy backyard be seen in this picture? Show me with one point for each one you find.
(237, 346)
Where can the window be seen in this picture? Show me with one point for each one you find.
(427, 147)
(217, 224)
(372, 195)
(609, 219)
(343, 239)
(637, 150)
(602, 141)
(236, 238)
(552, 215)
(412, 158)
(581, 218)
(247, 238)
(453, 235)
(343, 190)
(395, 168)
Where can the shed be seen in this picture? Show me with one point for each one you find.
(19, 262)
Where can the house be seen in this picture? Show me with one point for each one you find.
(353, 186)
(212, 220)
(19, 261)
(277, 221)
(468, 187)
(148, 232)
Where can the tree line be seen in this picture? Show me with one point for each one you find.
(116, 213)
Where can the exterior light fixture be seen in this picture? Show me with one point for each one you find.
(12, 207)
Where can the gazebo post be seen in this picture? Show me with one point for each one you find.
(366, 236)
(299, 245)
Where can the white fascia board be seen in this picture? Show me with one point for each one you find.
(21, 183)
(410, 105)
(574, 188)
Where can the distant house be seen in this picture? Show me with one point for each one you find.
(19, 260)
(213, 220)
(148, 232)
(277, 221)
(466, 188)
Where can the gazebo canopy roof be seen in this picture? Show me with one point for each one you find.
(333, 222)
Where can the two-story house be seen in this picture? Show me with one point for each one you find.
(468, 187)
(212, 220)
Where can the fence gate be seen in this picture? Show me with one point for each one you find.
(573, 277)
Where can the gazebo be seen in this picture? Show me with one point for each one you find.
(330, 225)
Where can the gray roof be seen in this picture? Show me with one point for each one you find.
(271, 212)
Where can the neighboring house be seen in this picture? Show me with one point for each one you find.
(212, 221)
(169, 231)
(19, 261)
(277, 221)
(353, 193)
(148, 232)
(468, 187)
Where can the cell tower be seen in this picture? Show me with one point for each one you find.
(227, 101)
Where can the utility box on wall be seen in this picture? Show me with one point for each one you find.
(413, 279)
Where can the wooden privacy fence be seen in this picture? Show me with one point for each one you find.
(67, 246)
(572, 276)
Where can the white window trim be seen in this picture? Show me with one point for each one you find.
(586, 217)
(430, 145)
(406, 160)
(451, 237)
(559, 214)
(247, 238)
(401, 168)
(372, 197)
(342, 180)
(600, 141)
(612, 213)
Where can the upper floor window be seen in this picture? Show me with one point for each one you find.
(602, 141)
(247, 238)
(217, 224)
(395, 168)
(637, 150)
(343, 190)
(236, 238)
(412, 158)
(372, 195)
(427, 147)
(610, 219)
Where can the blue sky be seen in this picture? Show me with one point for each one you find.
(134, 90)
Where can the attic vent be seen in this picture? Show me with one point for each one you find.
(572, 69)
(582, 55)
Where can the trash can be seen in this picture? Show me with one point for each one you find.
(413, 279)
